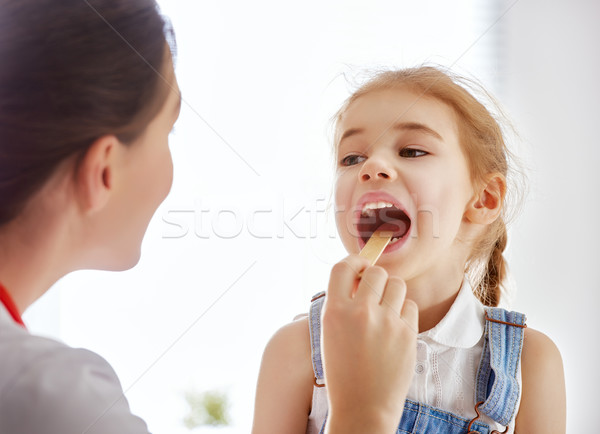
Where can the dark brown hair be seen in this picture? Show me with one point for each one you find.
(72, 71)
(483, 143)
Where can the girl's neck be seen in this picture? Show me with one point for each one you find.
(434, 296)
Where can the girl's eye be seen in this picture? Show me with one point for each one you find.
(351, 160)
(412, 153)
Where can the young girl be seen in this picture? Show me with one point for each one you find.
(416, 150)
(88, 97)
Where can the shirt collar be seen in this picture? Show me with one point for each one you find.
(463, 325)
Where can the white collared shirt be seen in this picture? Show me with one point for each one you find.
(448, 358)
(48, 387)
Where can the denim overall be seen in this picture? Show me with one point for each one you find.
(497, 384)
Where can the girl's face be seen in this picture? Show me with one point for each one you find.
(399, 161)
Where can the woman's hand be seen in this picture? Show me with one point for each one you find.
(369, 348)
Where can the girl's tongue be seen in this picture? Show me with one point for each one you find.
(389, 219)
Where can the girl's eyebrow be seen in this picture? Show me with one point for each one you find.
(351, 132)
(413, 126)
(416, 126)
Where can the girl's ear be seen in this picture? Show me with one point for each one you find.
(95, 174)
(486, 205)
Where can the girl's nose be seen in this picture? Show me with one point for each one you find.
(377, 168)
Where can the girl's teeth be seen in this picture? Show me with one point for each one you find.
(394, 240)
(368, 213)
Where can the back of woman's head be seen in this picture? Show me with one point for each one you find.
(482, 141)
(72, 71)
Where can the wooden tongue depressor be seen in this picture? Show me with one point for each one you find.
(376, 245)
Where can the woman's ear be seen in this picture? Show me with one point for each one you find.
(95, 174)
(486, 204)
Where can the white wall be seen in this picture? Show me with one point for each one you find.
(553, 92)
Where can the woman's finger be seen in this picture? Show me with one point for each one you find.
(344, 276)
(371, 286)
(394, 295)
(410, 314)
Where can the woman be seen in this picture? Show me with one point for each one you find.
(88, 97)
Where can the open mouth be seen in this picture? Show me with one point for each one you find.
(382, 216)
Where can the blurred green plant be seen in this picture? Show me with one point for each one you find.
(207, 408)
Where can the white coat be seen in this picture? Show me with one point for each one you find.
(47, 387)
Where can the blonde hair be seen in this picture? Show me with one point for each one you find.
(483, 143)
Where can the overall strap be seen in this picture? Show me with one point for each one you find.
(498, 388)
(314, 322)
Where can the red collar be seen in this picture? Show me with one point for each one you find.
(10, 305)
